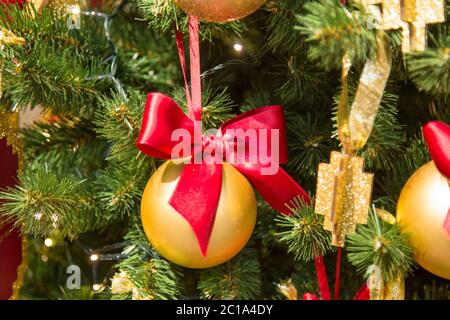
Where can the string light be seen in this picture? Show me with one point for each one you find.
(48, 242)
(238, 47)
(44, 258)
(94, 257)
(97, 287)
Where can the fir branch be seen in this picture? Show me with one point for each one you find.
(44, 202)
(238, 278)
(435, 291)
(403, 167)
(118, 122)
(430, 69)
(334, 31)
(118, 190)
(310, 142)
(304, 233)
(154, 277)
(298, 81)
(53, 77)
(381, 244)
(65, 145)
(217, 106)
(386, 139)
(279, 25)
(26, 22)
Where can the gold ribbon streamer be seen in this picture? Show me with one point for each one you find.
(355, 124)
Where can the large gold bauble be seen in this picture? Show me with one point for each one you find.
(220, 10)
(422, 208)
(173, 237)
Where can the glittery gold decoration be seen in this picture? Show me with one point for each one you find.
(137, 295)
(412, 16)
(288, 289)
(343, 195)
(21, 270)
(355, 124)
(368, 95)
(220, 10)
(391, 290)
(120, 283)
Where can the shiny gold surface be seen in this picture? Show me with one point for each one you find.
(220, 10)
(343, 195)
(173, 237)
(421, 211)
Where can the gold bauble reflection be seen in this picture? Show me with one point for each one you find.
(220, 10)
(421, 211)
(172, 236)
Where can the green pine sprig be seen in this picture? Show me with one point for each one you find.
(303, 232)
(380, 244)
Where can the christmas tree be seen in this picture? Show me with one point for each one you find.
(357, 80)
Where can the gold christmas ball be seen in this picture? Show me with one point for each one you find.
(422, 208)
(172, 236)
(220, 10)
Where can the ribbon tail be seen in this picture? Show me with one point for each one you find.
(277, 187)
(322, 278)
(196, 198)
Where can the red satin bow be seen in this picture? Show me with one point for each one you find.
(197, 193)
(437, 137)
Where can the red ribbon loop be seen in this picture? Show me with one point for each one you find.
(197, 193)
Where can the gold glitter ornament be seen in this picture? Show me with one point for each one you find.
(220, 10)
(120, 283)
(61, 7)
(343, 195)
(288, 289)
(412, 16)
(390, 290)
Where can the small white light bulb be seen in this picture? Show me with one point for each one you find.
(48, 242)
(94, 257)
(238, 47)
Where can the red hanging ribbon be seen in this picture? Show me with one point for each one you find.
(338, 272)
(321, 279)
(198, 190)
(437, 137)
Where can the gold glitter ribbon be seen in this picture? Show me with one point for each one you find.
(390, 290)
(355, 124)
(21, 270)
